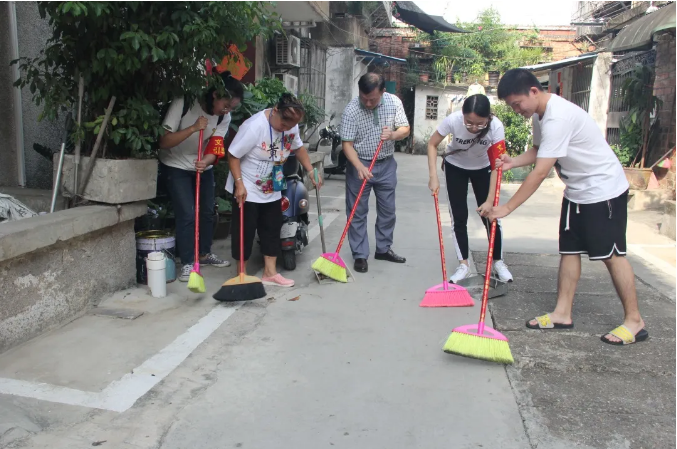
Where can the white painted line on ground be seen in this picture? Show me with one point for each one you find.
(314, 231)
(50, 393)
(653, 260)
(121, 394)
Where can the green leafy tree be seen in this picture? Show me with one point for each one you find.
(517, 129)
(489, 46)
(143, 53)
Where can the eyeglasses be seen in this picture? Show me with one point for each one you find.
(469, 126)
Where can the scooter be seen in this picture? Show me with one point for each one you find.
(335, 160)
(294, 233)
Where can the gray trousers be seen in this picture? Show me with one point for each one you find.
(383, 183)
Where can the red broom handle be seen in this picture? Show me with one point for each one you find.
(490, 256)
(357, 201)
(445, 282)
(242, 241)
(197, 201)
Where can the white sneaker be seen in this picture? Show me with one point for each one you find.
(462, 272)
(501, 270)
(185, 272)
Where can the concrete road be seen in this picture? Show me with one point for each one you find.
(354, 366)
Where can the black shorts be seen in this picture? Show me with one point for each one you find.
(264, 218)
(596, 229)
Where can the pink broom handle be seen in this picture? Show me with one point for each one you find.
(197, 202)
(490, 256)
(445, 282)
(357, 201)
(242, 242)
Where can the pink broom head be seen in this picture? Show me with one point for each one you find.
(486, 332)
(447, 295)
(334, 258)
(196, 268)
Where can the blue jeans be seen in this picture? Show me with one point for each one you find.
(180, 185)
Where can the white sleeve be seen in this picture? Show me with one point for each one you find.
(246, 139)
(497, 131)
(555, 142)
(536, 130)
(445, 128)
(298, 142)
(222, 129)
(172, 119)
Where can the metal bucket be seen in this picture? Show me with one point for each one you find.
(151, 241)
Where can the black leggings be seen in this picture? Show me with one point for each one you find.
(457, 189)
(264, 218)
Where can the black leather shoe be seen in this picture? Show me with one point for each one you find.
(390, 256)
(361, 265)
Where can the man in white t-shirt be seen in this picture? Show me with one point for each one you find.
(594, 213)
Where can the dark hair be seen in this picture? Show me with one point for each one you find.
(289, 106)
(232, 87)
(370, 81)
(517, 82)
(479, 105)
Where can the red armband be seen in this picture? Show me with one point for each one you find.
(495, 151)
(215, 147)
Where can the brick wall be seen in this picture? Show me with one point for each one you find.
(393, 42)
(664, 89)
(559, 42)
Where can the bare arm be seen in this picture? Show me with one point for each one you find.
(528, 187)
(170, 139)
(240, 192)
(349, 150)
(304, 160)
(433, 143)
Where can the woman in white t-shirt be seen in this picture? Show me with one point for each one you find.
(178, 165)
(475, 132)
(256, 156)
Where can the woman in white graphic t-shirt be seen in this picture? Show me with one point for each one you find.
(256, 156)
(178, 165)
(474, 131)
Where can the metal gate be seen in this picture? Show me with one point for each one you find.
(580, 86)
(620, 71)
(313, 70)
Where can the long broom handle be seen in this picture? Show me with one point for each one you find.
(490, 256)
(357, 200)
(445, 282)
(242, 242)
(197, 202)
(319, 210)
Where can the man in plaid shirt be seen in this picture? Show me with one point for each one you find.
(372, 117)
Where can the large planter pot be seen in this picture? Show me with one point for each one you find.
(113, 181)
(222, 223)
(638, 177)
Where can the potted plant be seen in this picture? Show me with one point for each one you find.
(313, 117)
(123, 63)
(637, 128)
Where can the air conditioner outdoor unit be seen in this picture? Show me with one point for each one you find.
(291, 82)
(288, 50)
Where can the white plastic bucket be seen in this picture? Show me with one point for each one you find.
(157, 279)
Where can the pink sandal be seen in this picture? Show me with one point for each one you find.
(278, 281)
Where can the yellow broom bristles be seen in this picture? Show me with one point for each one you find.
(478, 347)
(196, 283)
(330, 269)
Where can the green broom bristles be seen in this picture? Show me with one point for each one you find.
(330, 269)
(196, 283)
(478, 347)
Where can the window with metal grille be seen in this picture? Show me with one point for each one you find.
(431, 103)
(313, 70)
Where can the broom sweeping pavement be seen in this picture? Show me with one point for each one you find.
(357, 365)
